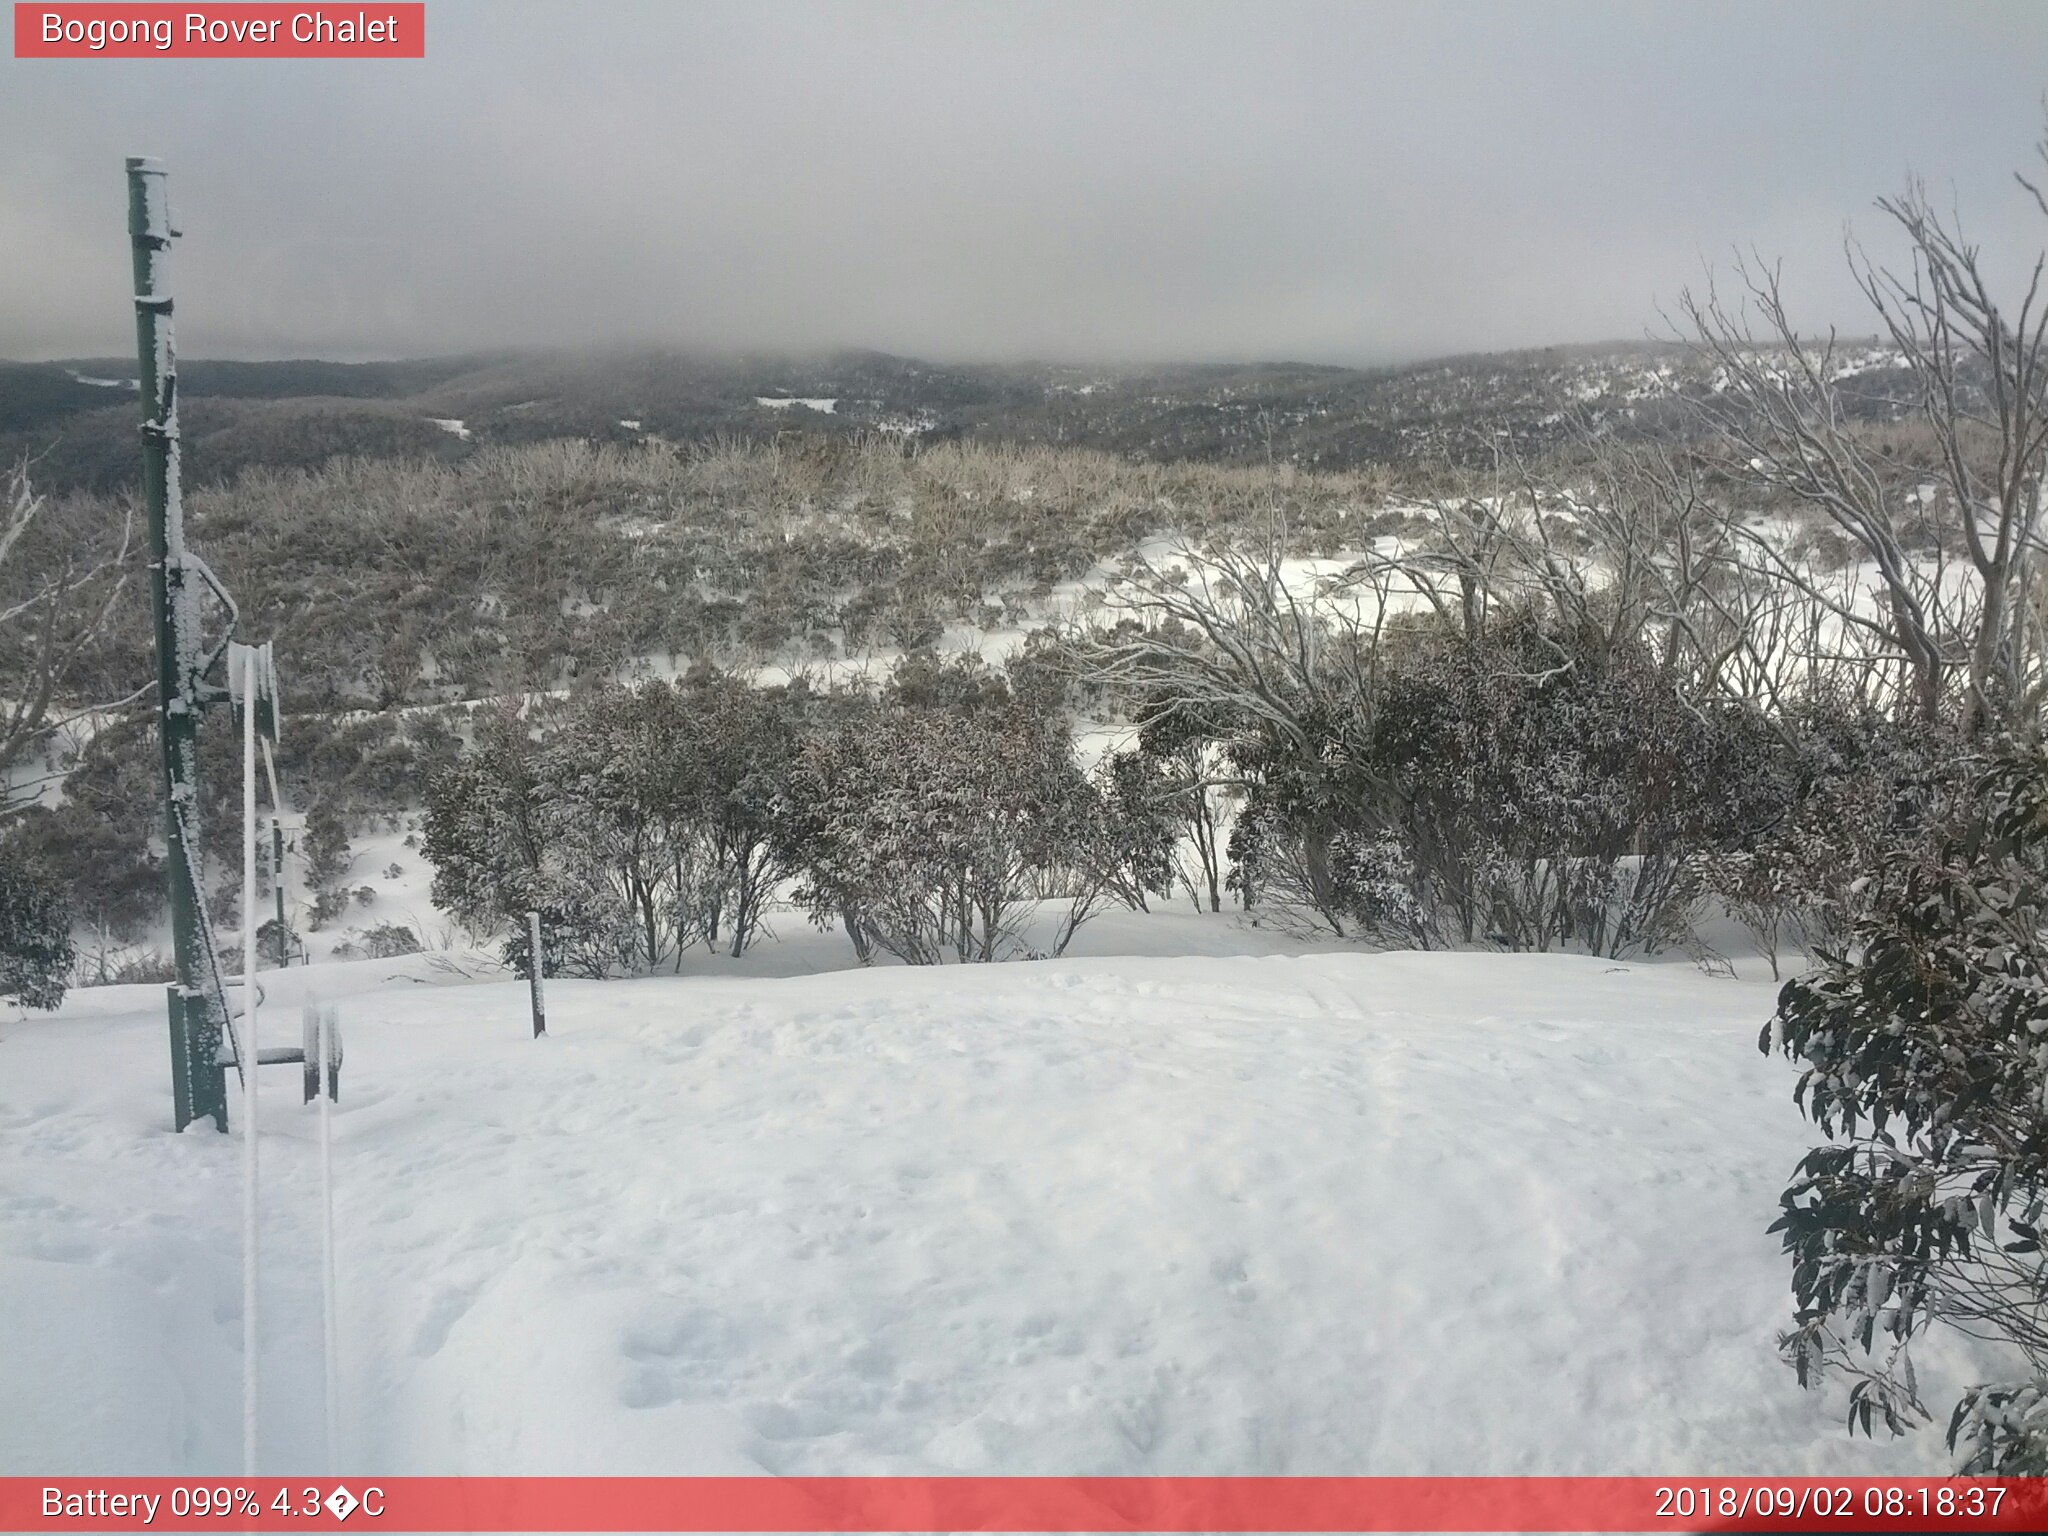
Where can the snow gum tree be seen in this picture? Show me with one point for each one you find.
(638, 821)
(59, 584)
(745, 742)
(1187, 745)
(613, 791)
(1143, 806)
(61, 580)
(927, 831)
(479, 830)
(505, 840)
(1794, 422)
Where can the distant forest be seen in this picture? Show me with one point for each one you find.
(298, 415)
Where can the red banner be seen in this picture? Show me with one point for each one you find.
(1024, 1504)
(101, 31)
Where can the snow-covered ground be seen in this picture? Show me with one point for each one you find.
(1191, 1213)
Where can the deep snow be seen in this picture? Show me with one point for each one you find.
(1337, 1213)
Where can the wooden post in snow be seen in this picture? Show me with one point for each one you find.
(533, 970)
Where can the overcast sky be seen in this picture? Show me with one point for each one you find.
(1350, 182)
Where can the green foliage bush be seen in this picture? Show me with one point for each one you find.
(36, 954)
(1924, 1043)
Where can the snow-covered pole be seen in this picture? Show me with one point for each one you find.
(198, 1082)
(284, 949)
(251, 1060)
(533, 970)
(329, 1332)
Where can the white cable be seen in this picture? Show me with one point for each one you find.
(270, 770)
(330, 1337)
(252, 1059)
(323, 1055)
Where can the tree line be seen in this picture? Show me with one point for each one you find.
(929, 818)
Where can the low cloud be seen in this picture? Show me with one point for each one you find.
(1346, 182)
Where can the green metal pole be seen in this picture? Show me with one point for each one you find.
(198, 1081)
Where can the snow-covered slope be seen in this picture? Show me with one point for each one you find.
(1283, 1214)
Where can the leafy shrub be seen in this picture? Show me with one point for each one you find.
(144, 965)
(327, 905)
(326, 848)
(277, 944)
(1925, 1045)
(35, 934)
(386, 941)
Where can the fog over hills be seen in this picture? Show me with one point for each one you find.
(77, 417)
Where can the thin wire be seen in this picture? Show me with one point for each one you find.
(251, 1061)
(214, 983)
(330, 1332)
(324, 1054)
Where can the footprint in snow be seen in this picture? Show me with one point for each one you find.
(789, 1421)
(1230, 1273)
(647, 1387)
(446, 1310)
(693, 1334)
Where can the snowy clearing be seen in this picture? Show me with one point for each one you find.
(1336, 1213)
